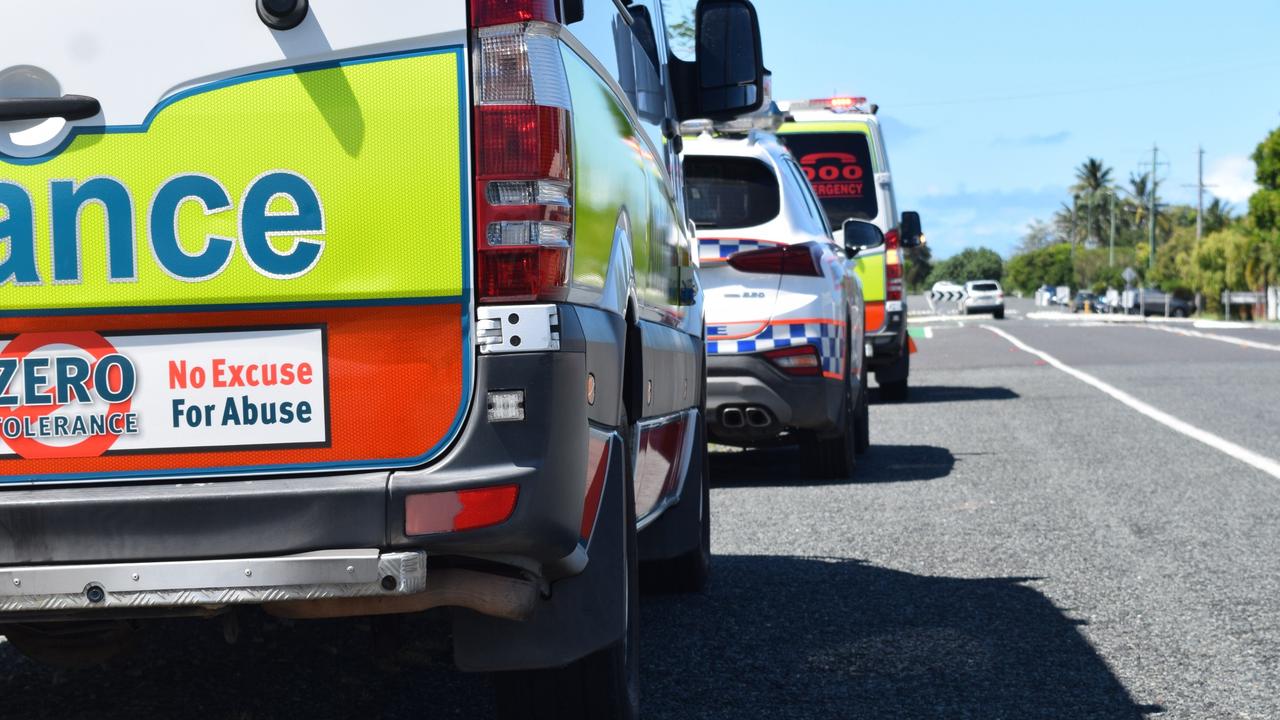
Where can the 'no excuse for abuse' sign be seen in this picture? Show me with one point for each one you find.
(85, 394)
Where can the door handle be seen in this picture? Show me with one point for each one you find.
(67, 107)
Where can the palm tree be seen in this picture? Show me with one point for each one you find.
(1091, 177)
(1140, 189)
(1217, 216)
(1093, 181)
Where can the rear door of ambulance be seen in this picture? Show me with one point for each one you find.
(245, 253)
(839, 161)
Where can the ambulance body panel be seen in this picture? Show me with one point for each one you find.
(353, 308)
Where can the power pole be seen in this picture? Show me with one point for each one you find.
(1151, 255)
(1199, 193)
(1151, 234)
(1111, 255)
(1200, 187)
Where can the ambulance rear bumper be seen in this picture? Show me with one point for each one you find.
(55, 589)
(544, 455)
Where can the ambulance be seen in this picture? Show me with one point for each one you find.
(339, 309)
(840, 146)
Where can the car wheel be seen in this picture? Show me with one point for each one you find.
(1179, 313)
(604, 685)
(863, 437)
(834, 458)
(998, 314)
(896, 390)
(72, 646)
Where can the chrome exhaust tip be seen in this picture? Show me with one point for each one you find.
(732, 418)
(758, 417)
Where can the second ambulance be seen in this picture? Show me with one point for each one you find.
(840, 148)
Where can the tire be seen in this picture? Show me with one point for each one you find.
(604, 685)
(72, 646)
(896, 390)
(998, 314)
(834, 458)
(863, 437)
(1179, 313)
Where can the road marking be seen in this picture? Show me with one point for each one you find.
(1243, 454)
(928, 333)
(1220, 338)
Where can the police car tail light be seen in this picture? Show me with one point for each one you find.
(801, 259)
(523, 152)
(894, 287)
(798, 360)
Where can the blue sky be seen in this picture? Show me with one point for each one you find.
(989, 105)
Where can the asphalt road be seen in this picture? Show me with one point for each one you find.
(1017, 544)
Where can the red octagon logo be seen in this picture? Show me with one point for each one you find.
(23, 345)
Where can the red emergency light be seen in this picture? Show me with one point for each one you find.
(840, 103)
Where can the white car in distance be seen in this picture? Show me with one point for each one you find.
(984, 296)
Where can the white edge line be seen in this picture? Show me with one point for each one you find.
(1244, 455)
(1241, 342)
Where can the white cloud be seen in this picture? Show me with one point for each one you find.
(1231, 178)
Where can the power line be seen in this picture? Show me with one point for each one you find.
(1039, 95)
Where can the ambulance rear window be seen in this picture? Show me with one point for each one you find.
(838, 165)
(730, 192)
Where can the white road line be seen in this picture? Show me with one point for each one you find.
(1220, 338)
(1244, 455)
(928, 333)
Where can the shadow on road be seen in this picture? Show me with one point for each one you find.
(775, 637)
(769, 467)
(926, 394)
(324, 670)
(808, 638)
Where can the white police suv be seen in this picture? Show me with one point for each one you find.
(784, 307)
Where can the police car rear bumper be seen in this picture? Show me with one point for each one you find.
(747, 383)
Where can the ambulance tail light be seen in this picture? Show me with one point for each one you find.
(894, 286)
(523, 152)
(797, 360)
(799, 259)
(458, 510)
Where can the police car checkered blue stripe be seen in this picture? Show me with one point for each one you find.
(828, 337)
(721, 249)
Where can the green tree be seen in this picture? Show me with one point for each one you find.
(1264, 206)
(1172, 267)
(1047, 266)
(969, 264)
(919, 265)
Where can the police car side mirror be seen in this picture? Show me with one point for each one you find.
(728, 77)
(909, 231)
(860, 235)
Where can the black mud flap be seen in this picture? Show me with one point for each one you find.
(583, 614)
(679, 529)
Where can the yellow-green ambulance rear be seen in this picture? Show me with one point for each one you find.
(839, 145)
